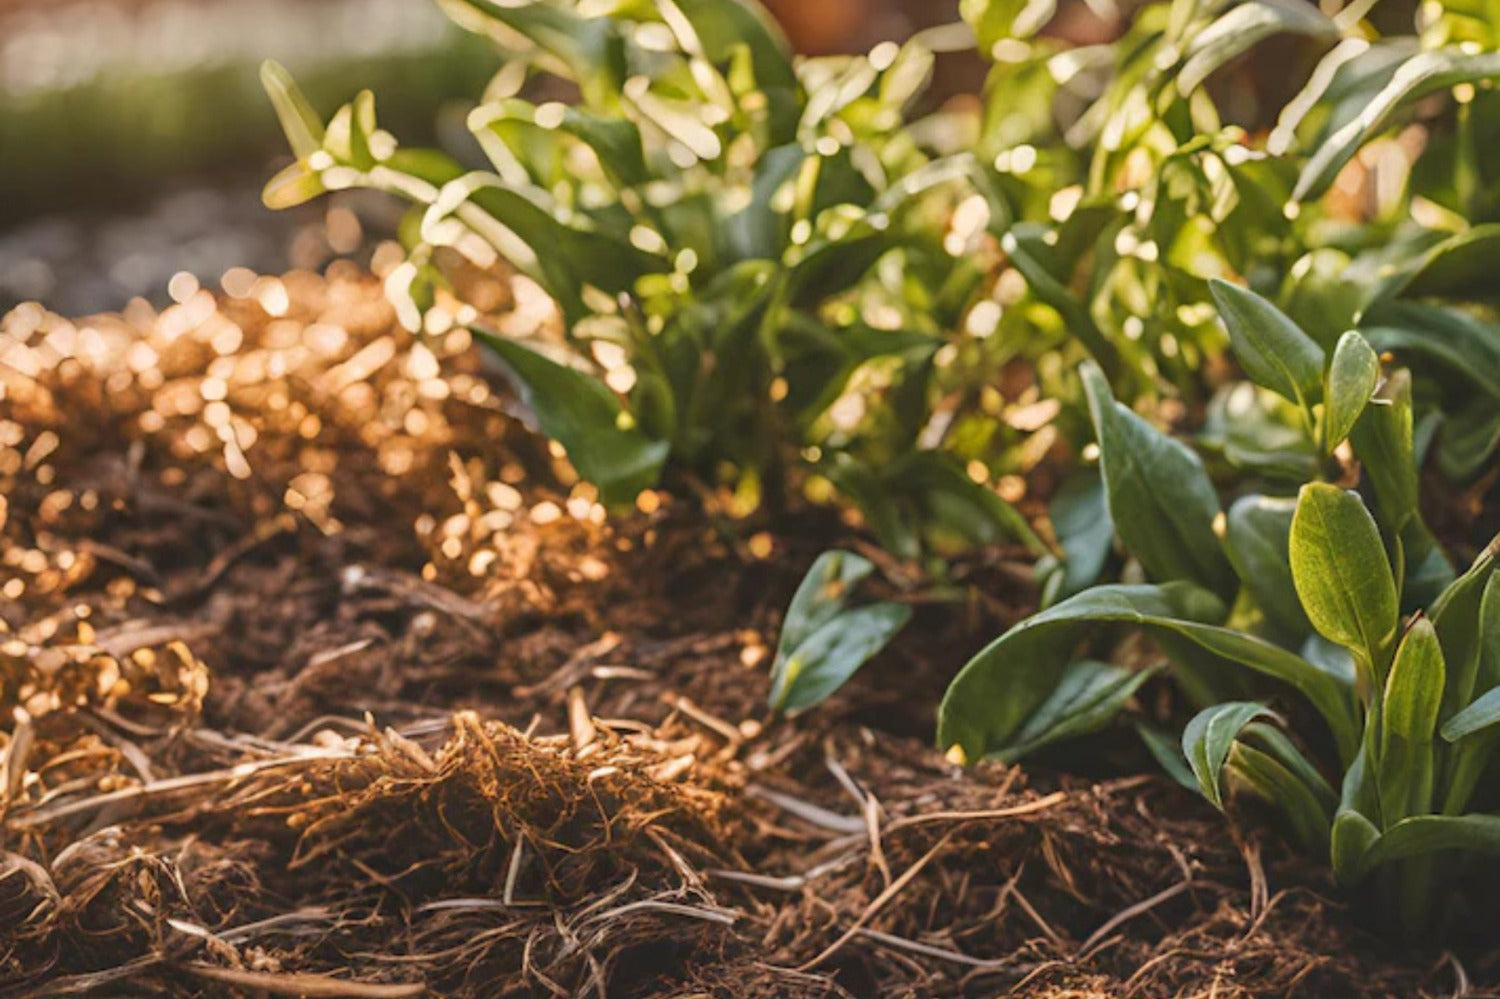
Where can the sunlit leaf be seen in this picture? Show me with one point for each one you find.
(1341, 574)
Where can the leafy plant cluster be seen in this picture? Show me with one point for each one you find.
(1280, 598)
(1319, 587)
(752, 256)
(770, 272)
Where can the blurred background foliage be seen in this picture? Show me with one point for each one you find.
(134, 134)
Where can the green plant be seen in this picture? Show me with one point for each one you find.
(1122, 179)
(1274, 598)
(752, 255)
(825, 639)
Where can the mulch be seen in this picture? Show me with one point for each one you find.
(321, 676)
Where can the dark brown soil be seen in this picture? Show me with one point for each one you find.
(321, 679)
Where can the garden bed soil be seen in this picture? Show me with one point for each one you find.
(320, 678)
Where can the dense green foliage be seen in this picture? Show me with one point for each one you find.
(771, 274)
(748, 253)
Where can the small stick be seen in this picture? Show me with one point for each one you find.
(875, 906)
(302, 984)
(1126, 915)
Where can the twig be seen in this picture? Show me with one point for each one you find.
(941, 953)
(301, 984)
(874, 907)
(1125, 915)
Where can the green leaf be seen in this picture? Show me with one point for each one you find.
(1480, 716)
(1079, 511)
(1160, 497)
(1256, 537)
(291, 187)
(581, 413)
(1238, 29)
(1460, 267)
(1350, 841)
(1462, 617)
(1461, 343)
(1408, 720)
(1421, 835)
(817, 667)
(993, 694)
(822, 594)
(1209, 737)
(1422, 74)
(1087, 697)
(303, 127)
(1352, 377)
(1341, 574)
(1265, 760)
(587, 50)
(823, 641)
(1271, 348)
(1167, 751)
(1382, 439)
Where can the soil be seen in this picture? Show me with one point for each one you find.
(322, 677)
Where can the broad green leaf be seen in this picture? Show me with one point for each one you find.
(1280, 746)
(822, 594)
(992, 696)
(1350, 842)
(1270, 347)
(1408, 720)
(1460, 616)
(1421, 835)
(1382, 439)
(821, 664)
(1462, 343)
(1286, 786)
(1341, 574)
(1422, 74)
(1240, 28)
(1160, 498)
(1080, 518)
(1088, 696)
(303, 127)
(1460, 267)
(581, 413)
(1352, 377)
(1256, 538)
(1209, 737)
(1167, 751)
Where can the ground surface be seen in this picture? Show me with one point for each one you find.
(319, 679)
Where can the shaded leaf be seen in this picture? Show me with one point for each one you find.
(1208, 738)
(1160, 498)
(1256, 537)
(586, 418)
(824, 641)
(1088, 696)
(989, 700)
